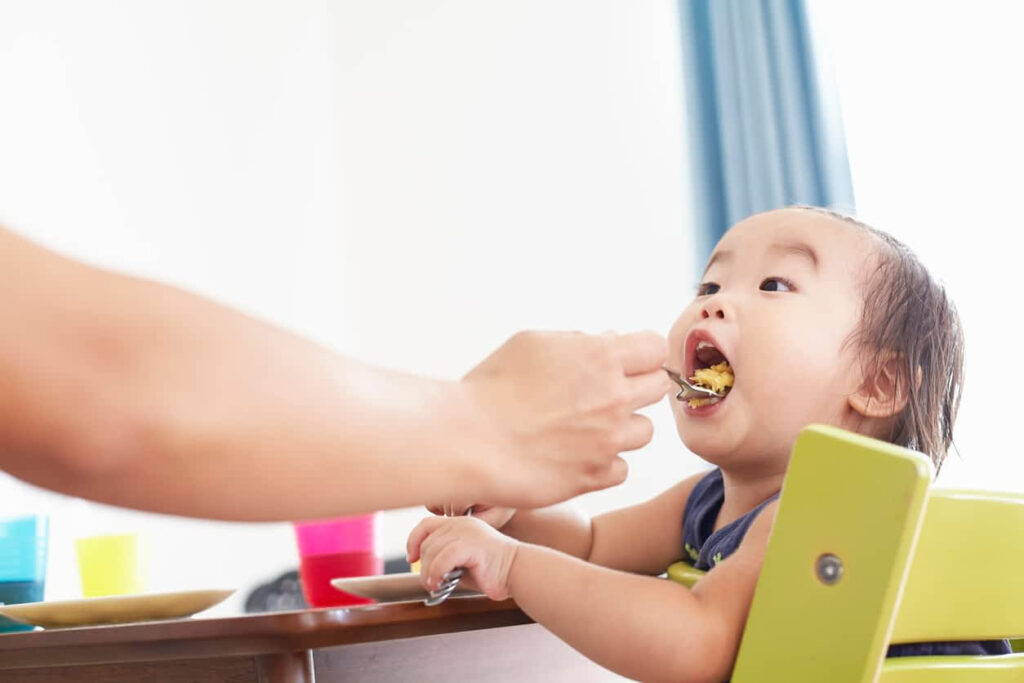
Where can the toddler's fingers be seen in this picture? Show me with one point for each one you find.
(447, 558)
(419, 534)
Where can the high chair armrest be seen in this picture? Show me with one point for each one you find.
(683, 573)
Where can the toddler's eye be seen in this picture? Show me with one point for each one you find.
(776, 284)
(707, 288)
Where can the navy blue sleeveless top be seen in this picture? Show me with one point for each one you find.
(705, 548)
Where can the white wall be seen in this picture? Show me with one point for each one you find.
(933, 115)
(407, 181)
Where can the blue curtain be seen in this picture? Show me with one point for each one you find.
(765, 130)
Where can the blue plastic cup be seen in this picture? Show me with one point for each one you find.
(23, 544)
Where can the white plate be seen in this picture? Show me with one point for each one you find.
(389, 587)
(114, 609)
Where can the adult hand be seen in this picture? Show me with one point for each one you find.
(497, 517)
(565, 406)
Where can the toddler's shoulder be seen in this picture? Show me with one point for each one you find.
(672, 502)
(702, 481)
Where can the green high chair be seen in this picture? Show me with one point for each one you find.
(864, 553)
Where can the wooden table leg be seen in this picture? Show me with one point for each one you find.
(285, 667)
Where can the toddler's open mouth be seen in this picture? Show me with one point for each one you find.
(711, 370)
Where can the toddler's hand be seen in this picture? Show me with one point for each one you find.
(444, 543)
(496, 516)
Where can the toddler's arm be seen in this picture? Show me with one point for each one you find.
(644, 627)
(638, 626)
(642, 538)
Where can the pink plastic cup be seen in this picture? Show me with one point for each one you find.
(333, 548)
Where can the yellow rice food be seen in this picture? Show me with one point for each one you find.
(717, 378)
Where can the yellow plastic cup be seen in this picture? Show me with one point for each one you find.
(109, 565)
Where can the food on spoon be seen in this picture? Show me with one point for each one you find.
(718, 378)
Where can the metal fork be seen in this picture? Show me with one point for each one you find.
(450, 581)
(689, 391)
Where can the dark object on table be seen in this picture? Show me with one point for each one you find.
(282, 594)
(285, 592)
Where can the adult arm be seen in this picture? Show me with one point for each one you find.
(139, 394)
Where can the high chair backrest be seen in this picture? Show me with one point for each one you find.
(862, 554)
(970, 553)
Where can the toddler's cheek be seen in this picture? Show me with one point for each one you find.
(677, 335)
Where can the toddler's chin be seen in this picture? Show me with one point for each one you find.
(708, 444)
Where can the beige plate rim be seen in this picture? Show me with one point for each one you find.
(115, 609)
(388, 587)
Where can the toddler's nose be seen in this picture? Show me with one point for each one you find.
(712, 310)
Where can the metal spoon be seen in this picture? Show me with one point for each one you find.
(687, 391)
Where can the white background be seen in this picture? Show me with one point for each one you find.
(406, 181)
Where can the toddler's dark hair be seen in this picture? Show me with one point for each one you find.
(907, 312)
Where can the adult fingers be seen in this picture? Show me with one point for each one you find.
(648, 388)
(452, 509)
(612, 475)
(493, 516)
(637, 433)
(640, 352)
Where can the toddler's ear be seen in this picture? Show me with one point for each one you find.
(885, 389)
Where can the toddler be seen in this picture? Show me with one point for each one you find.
(801, 298)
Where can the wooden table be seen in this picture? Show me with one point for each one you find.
(463, 639)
